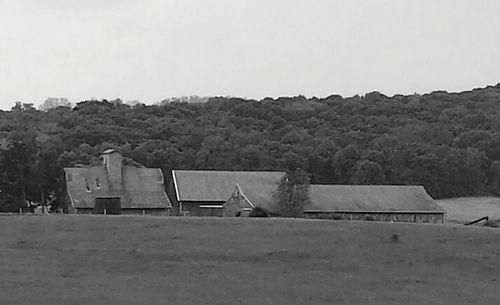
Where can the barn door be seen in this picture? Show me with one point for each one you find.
(108, 205)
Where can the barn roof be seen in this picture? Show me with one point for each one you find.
(143, 187)
(217, 186)
(371, 198)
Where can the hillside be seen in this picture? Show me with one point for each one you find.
(146, 260)
(448, 142)
(467, 209)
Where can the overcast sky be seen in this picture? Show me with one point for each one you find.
(153, 49)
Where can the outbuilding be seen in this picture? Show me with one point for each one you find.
(402, 203)
(114, 188)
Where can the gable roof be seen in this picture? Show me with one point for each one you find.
(217, 186)
(143, 187)
(238, 198)
(371, 198)
(258, 197)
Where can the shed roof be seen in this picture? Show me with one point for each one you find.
(217, 186)
(371, 198)
(143, 187)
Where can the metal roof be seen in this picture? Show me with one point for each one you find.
(371, 198)
(217, 186)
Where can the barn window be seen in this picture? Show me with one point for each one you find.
(69, 177)
(87, 185)
(98, 182)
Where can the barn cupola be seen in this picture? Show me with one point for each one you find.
(112, 161)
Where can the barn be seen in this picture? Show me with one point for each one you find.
(402, 203)
(203, 193)
(113, 188)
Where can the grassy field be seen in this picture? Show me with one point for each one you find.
(466, 209)
(148, 260)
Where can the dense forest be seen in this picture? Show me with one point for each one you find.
(448, 142)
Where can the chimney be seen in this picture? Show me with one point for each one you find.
(112, 161)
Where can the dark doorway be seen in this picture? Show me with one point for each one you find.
(108, 205)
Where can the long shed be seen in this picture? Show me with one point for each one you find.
(406, 203)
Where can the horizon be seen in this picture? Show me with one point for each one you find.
(132, 102)
(152, 50)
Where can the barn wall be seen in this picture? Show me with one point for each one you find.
(235, 206)
(191, 207)
(152, 212)
(195, 210)
(396, 217)
(112, 205)
(232, 209)
(83, 211)
(214, 212)
(66, 205)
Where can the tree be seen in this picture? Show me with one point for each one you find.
(54, 102)
(292, 195)
(450, 143)
(368, 172)
(493, 178)
(344, 162)
(28, 157)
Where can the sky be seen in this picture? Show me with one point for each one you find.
(149, 50)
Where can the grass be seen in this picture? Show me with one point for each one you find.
(152, 260)
(462, 210)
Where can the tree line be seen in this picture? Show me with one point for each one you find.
(447, 142)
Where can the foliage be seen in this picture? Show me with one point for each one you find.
(492, 223)
(447, 142)
(292, 195)
(368, 172)
(259, 212)
(54, 102)
(369, 218)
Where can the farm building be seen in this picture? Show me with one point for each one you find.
(203, 193)
(114, 188)
(373, 202)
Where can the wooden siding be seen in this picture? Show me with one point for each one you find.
(422, 217)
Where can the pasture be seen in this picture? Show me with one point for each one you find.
(465, 209)
(151, 260)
